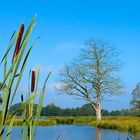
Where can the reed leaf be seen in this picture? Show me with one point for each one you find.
(4, 97)
(14, 37)
(24, 122)
(21, 73)
(37, 80)
(30, 27)
(5, 67)
(10, 128)
(39, 107)
(21, 107)
(17, 62)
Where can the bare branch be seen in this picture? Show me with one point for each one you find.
(93, 73)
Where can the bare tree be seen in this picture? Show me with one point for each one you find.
(135, 102)
(92, 76)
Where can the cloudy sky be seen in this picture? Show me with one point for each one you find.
(64, 25)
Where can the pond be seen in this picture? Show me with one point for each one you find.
(64, 132)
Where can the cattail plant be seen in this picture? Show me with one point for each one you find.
(11, 77)
(18, 43)
(22, 99)
(31, 105)
(29, 121)
(33, 81)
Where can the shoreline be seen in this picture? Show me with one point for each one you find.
(127, 124)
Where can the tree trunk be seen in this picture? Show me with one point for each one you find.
(98, 112)
(97, 109)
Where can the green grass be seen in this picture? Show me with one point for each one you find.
(19, 122)
(63, 120)
(73, 120)
(83, 120)
(131, 124)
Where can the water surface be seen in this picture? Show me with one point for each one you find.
(64, 132)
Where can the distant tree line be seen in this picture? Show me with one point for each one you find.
(85, 110)
(135, 102)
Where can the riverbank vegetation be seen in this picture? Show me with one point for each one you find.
(130, 124)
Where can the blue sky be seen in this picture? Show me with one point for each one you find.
(64, 25)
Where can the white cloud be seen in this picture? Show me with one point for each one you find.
(66, 46)
(56, 85)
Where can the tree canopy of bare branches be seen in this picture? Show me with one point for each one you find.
(93, 75)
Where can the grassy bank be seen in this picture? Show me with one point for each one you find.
(131, 124)
(73, 120)
(19, 122)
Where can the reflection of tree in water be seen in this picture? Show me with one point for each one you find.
(132, 136)
(98, 134)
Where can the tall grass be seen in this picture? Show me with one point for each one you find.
(13, 70)
(84, 120)
(11, 75)
(131, 124)
(29, 119)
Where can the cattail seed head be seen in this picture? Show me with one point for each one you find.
(33, 80)
(17, 48)
(22, 98)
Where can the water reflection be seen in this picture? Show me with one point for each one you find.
(98, 134)
(105, 134)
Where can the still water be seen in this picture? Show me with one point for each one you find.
(64, 132)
